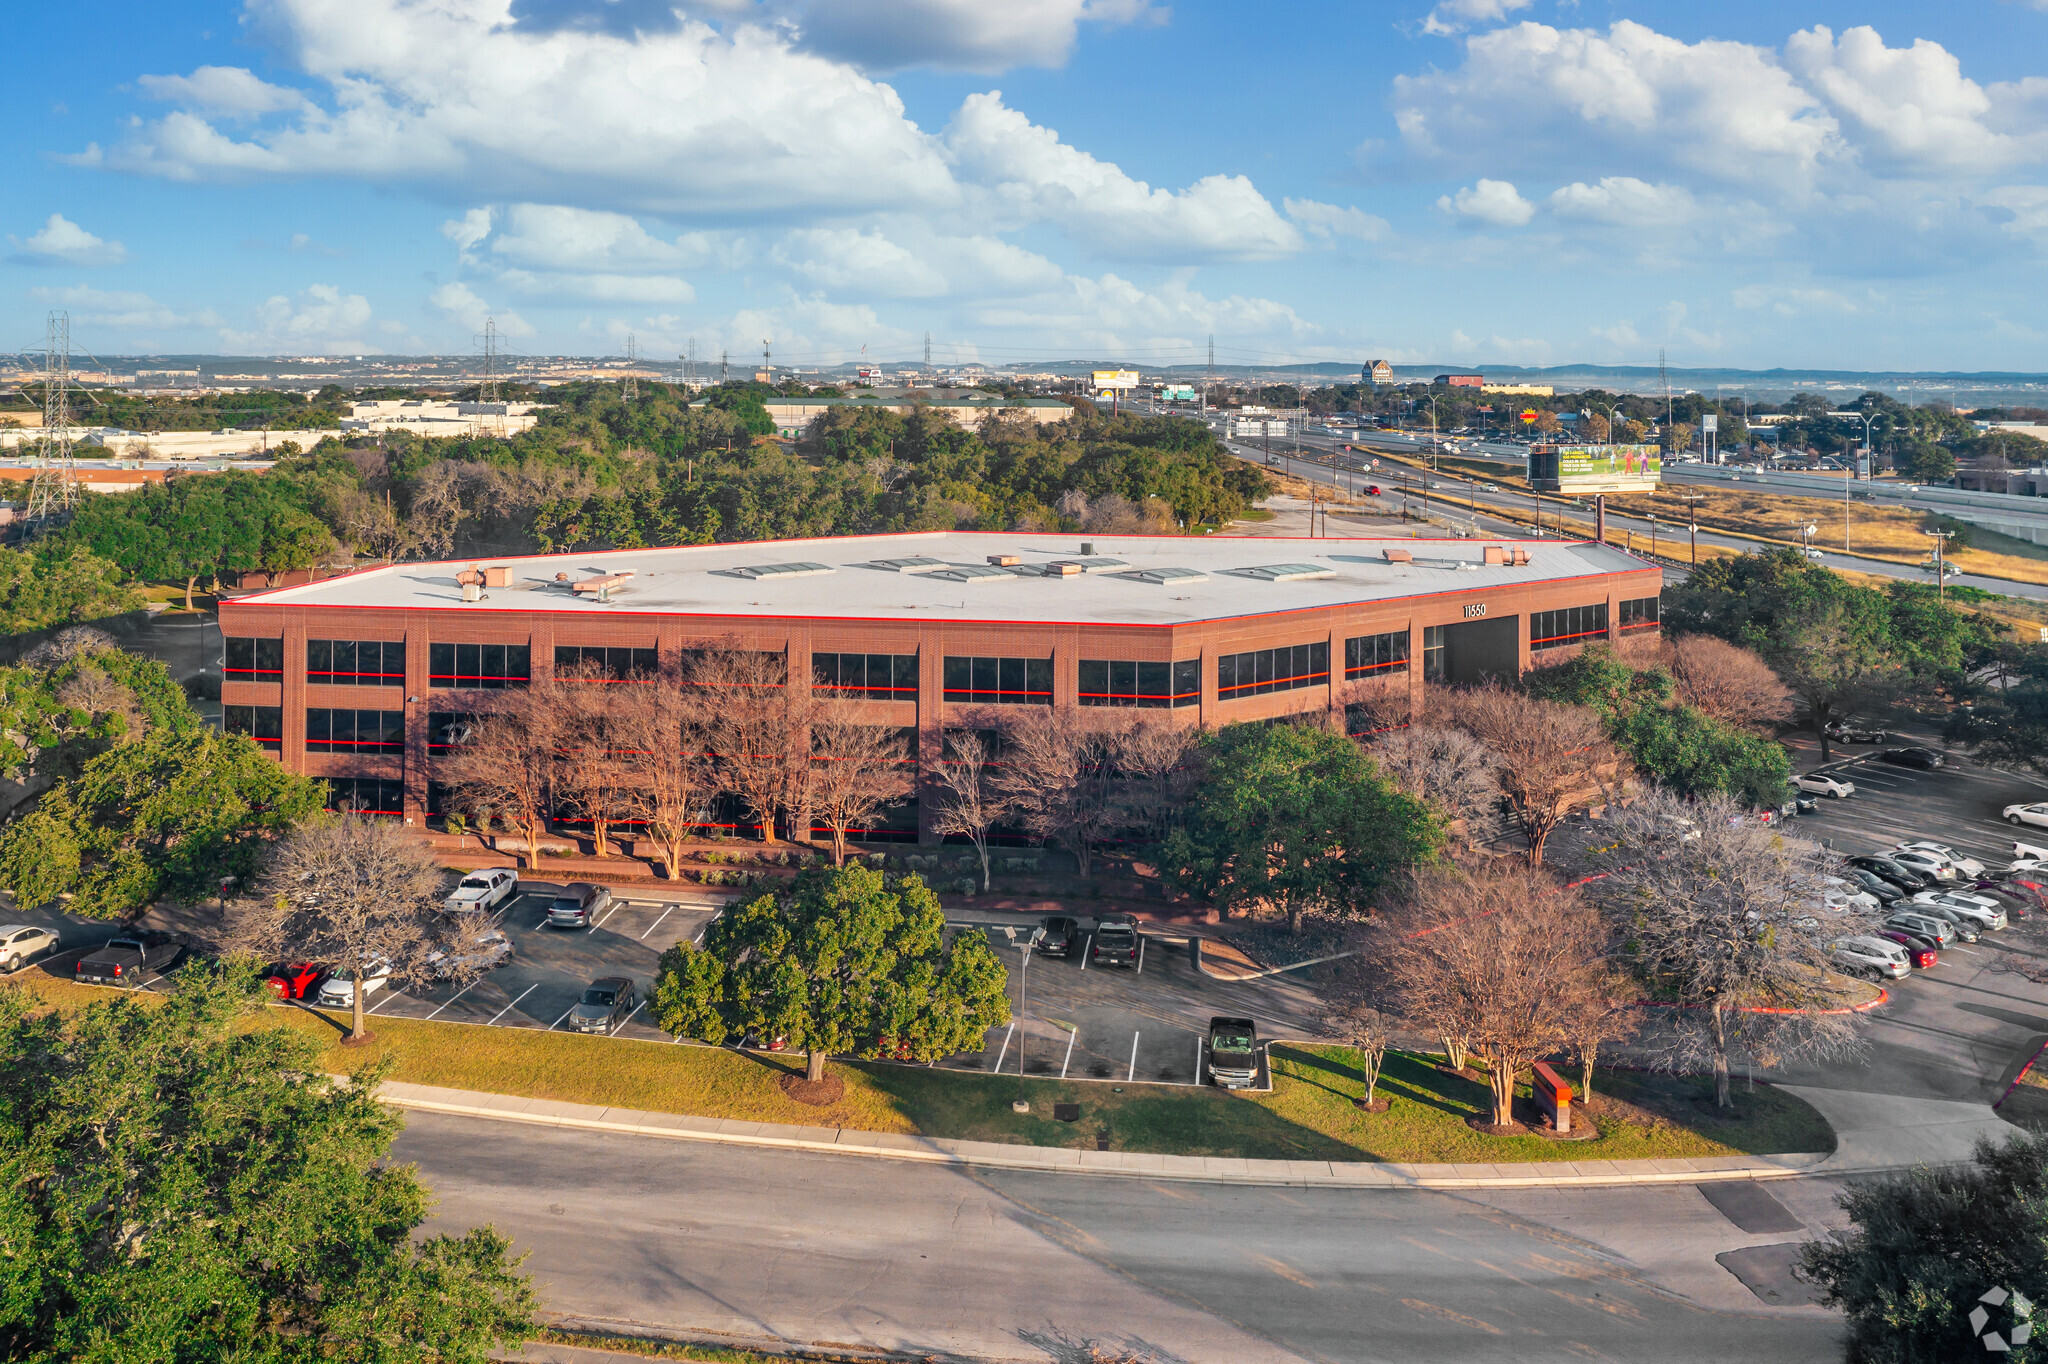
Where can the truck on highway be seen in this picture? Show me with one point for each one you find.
(127, 960)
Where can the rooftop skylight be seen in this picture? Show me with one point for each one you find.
(797, 570)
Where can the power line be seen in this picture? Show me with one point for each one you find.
(54, 489)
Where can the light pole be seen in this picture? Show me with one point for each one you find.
(1693, 527)
(1432, 432)
(1023, 986)
(1653, 535)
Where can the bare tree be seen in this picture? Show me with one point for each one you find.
(1361, 1026)
(855, 771)
(1551, 754)
(1448, 768)
(507, 768)
(362, 894)
(1726, 920)
(968, 801)
(598, 767)
(1155, 762)
(1501, 957)
(1608, 1013)
(1059, 774)
(1728, 682)
(663, 725)
(758, 728)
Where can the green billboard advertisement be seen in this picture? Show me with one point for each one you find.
(1595, 468)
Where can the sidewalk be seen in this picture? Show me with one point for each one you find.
(1877, 1134)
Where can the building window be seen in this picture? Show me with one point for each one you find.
(366, 795)
(356, 662)
(482, 667)
(1433, 654)
(1148, 686)
(355, 731)
(873, 677)
(1640, 614)
(999, 681)
(612, 665)
(1370, 655)
(447, 729)
(264, 724)
(1267, 670)
(253, 660)
(1572, 625)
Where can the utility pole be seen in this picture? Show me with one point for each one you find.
(1940, 566)
(54, 489)
(767, 360)
(631, 390)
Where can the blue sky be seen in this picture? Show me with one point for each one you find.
(1470, 181)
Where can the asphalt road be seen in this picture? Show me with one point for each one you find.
(757, 1246)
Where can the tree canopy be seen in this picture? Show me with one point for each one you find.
(844, 961)
(178, 1185)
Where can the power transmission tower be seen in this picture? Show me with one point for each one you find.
(54, 489)
(724, 367)
(631, 391)
(689, 359)
(488, 422)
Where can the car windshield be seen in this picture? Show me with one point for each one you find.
(596, 996)
(1231, 1041)
(568, 905)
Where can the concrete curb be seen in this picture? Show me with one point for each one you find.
(1121, 1164)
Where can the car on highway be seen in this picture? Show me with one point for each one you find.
(606, 1004)
(1810, 552)
(1872, 956)
(1894, 871)
(1849, 732)
(1870, 883)
(485, 890)
(1059, 937)
(1944, 568)
(578, 904)
(1922, 953)
(2034, 813)
(1821, 784)
(339, 992)
(1981, 910)
(21, 944)
(1233, 1050)
(1116, 941)
(1940, 931)
(1372, 490)
(1964, 866)
(295, 979)
(1916, 756)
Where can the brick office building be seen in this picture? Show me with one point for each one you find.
(358, 679)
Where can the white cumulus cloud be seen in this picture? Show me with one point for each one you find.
(971, 35)
(1329, 220)
(1455, 16)
(1624, 201)
(459, 303)
(63, 242)
(227, 91)
(322, 319)
(122, 308)
(1490, 201)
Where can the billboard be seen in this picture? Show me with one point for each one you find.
(1595, 468)
(1107, 380)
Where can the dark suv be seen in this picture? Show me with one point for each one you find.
(1116, 941)
(578, 904)
(1233, 1052)
(1059, 937)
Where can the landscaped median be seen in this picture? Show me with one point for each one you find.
(1309, 1115)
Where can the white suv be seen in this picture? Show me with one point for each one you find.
(1821, 784)
(1966, 866)
(1873, 957)
(1981, 910)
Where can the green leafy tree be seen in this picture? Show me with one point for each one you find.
(179, 1181)
(55, 585)
(1923, 1250)
(844, 961)
(1294, 818)
(2008, 726)
(170, 814)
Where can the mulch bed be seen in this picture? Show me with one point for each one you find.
(1376, 1106)
(820, 1094)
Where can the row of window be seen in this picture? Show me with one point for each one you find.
(356, 662)
(872, 677)
(1269, 670)
(1146, 686)
(1569, 625)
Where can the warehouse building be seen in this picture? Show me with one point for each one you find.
(361, 678)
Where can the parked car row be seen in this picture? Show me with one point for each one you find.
(1930, 896)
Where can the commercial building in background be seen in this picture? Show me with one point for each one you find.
(1520, 390)
(1377, 372)
(1595, 468)
(432, 417)
(966, 408)
(366, 679)
(1461, 380)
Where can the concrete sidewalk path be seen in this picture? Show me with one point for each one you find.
(1933, 1137)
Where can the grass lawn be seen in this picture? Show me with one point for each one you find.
(1308, 1116)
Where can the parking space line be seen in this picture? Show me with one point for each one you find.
(387, 999)
(1068, 1058)
(457, 995)
(629, 1017)
(657, 923)
(558, 1022)
(1141, 955)
(998, 1067)
(508, 1008)
(1089, 953)
(1134, 1058)
(1198, 1058)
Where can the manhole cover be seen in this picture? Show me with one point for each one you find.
(1067, 1112)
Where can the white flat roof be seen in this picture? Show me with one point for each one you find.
(866, 580)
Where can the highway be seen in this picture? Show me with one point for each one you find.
(1463, 499)
(752, 1246)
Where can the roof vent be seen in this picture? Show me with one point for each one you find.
(917, 565)
(1004, 560)
(760, 572)
(1087, 546)
(602, 585)
(1168, 575)
(1288, 573)
(1066, 568)
(1090, 564)
(1399, 556)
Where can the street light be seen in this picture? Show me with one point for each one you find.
(1694, 529)
(1023, 985)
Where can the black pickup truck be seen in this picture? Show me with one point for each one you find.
(127, 959)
